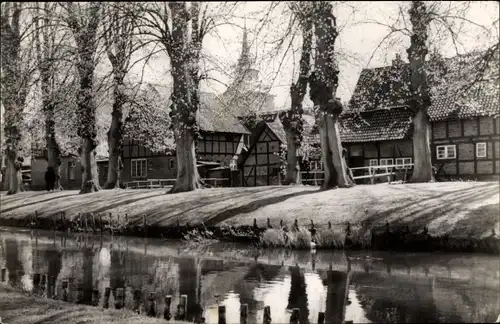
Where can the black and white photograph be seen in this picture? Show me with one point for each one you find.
(249, 162)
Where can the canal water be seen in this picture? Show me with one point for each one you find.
(362, 287)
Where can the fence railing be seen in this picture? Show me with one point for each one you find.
(370, 172)
(162, 183)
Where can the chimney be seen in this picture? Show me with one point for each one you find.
(397, 60)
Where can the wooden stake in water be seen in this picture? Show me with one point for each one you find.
(294, 319)
(267, 315)
(95, 297)
(145, 225)
(36, 280)
(65, 286)
(100, 223)
(3, 273)
(151, 308)
(79, 294)
(222, 314)
(166, 313)
(182, 308)
(137, 301)
(321, 318)
(243, 313)
(107, 293)
(119, 298)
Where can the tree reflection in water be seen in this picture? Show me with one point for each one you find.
(298, 295)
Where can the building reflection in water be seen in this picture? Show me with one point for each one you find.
(375, 294)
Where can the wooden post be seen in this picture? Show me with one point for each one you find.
(267, 315)
(222, 314)
(183, 307)
(3, 274)
(166, 313)
(145, 225)
(36, 218)
(321, 317)
(100, 223)
(107, 293)
(118, 219)
(315, 179)
(151, 309)
(388, 175)
(119, 298)
(255, 223)
(372, 175)
(268, 223)
(95, 297)
(329, 225)
(126, 219)
(243, 313)
(294, 319)
(281, 223)
(65, 286)
(86, 224)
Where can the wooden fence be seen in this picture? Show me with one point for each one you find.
(370, 172)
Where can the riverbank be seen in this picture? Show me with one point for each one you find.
(458, 216)
(17, 307)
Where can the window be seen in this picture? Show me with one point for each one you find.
(171, 164)
(480, 150)
(386, 162)
(402, 163)
(373, 162)
(71, 170)
(446, 152)
(139, 168)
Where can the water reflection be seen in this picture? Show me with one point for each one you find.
(139, 275)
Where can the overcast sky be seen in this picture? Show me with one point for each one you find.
(362, 25)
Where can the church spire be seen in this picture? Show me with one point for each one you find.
(245, 60)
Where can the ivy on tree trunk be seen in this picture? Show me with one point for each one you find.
(323, 84)
(421, 100)
(14, 92)
(184, 54)
(84, 31)
(292, 119)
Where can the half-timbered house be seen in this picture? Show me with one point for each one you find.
(222, 139)
(377, 128)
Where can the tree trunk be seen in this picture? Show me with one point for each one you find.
(188, 178)
(292, 174)
(421, 101)
(323, 86)
(422, 171)
(115, 140)
(292, 120)
(90, 177)
(14, 177)
(88, 133)
(53, 150)
(184, 55)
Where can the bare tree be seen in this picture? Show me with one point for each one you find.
(420, 93)
(120, 45)
(323, 86)
(49, 52)
(180, 28)
(292, 119)
(83, 21)
(15, 85)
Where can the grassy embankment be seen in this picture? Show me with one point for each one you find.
(21, 308)
(460, 216)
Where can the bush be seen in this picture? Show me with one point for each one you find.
(328, 238)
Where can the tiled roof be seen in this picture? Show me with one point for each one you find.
(213, 116)
(277, 127)
(378, 125)
(387, 87)
(478, 105)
